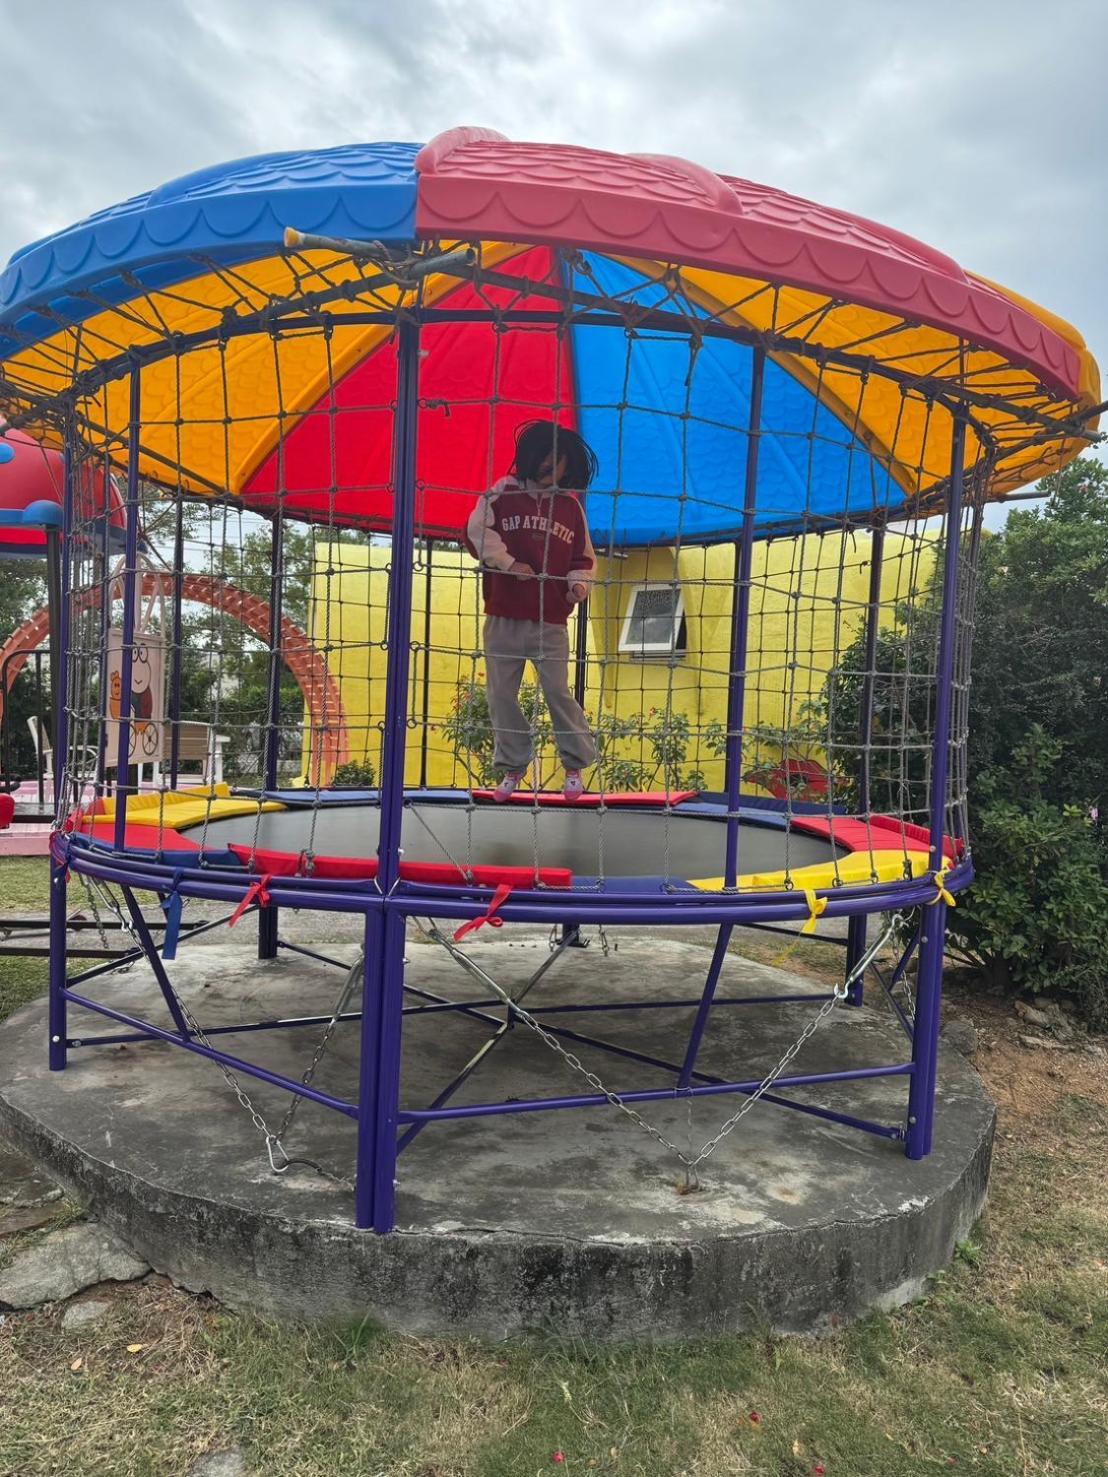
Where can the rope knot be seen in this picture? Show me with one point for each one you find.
(257, 892)
(500, 896)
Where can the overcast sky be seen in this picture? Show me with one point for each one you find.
(980, 126)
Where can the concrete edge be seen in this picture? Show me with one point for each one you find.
(496, 1285)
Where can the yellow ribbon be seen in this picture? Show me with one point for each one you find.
(816, 907)
(942, 893)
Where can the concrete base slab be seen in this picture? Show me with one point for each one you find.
(570, 1220)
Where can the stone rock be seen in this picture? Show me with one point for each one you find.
(1033, 1016)
(230, 1463)
(1041, 1043)
(66, 1262)
(21, 1184)
(1092, 1049)
(80, 1315)
(961, 1036)
(25, 1219)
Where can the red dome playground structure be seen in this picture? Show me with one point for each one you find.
(32, 492)
(339, 348)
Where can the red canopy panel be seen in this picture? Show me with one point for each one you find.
(475, 184)
(477, 387)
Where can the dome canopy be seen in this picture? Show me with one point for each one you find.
(588, 244)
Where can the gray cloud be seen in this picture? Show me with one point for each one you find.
(981, 128)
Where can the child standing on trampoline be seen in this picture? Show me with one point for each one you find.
(530, 535)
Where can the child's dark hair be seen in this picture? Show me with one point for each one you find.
(538, 441)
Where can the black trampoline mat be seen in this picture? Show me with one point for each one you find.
(591, 843)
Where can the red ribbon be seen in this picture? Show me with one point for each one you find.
(501, 895)
(255, 893)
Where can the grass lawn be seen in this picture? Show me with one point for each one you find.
(1002, 1370)
(24, 884)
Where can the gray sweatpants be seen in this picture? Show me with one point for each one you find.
(509, 646)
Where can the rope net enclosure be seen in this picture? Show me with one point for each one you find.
(759, 556)
(717, 636)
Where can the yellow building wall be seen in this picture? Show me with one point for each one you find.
(807, 603)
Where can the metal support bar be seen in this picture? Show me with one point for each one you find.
(236, 1064)
(59, 675)
(55, 604)
(856, 929)
(383, 970)
(56, 1028)
(740, 620)
(154, 959)
(268, 918)
(425, 726)
(925, 1043)
(177, 667)
(652, 1095)
(452, 1087)
(130, 602)
(703, 1010)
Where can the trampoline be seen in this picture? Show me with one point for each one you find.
(306, 369)
(648, 844)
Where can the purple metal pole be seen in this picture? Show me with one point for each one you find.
(925, 1043)
(383, 978)
(178, 640)
(153, 958)
(696, 1035)
(428, 587)
(740, 620)
(856, 929)
(130, 601)
(55, 601)
(267, 917)
(57, 981)
(736, 696)
(59, 622)
(102, 571)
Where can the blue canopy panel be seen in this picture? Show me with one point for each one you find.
(229, 214)
(668, 423)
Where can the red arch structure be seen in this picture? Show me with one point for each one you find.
(322, 698)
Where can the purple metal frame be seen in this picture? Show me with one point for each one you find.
(383, 978)
(130, 602)
(383, 1127)
(925, 1037)
(268, 917)
(856, 937)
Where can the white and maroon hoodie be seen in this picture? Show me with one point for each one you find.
(539, 527)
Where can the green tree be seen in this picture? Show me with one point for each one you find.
(1041, 652)
(1036, 917)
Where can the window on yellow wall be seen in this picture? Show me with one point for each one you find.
(654, 628)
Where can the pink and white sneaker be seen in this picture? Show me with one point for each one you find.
(509, 784)
(574, 786)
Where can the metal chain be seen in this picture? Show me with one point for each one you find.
(691, 1162)
(86, 882)
(324, 1041)
(273, 1144)
(840, 992)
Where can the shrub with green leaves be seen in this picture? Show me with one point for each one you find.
(1037, 916)
(660, 740)
(354, 776)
